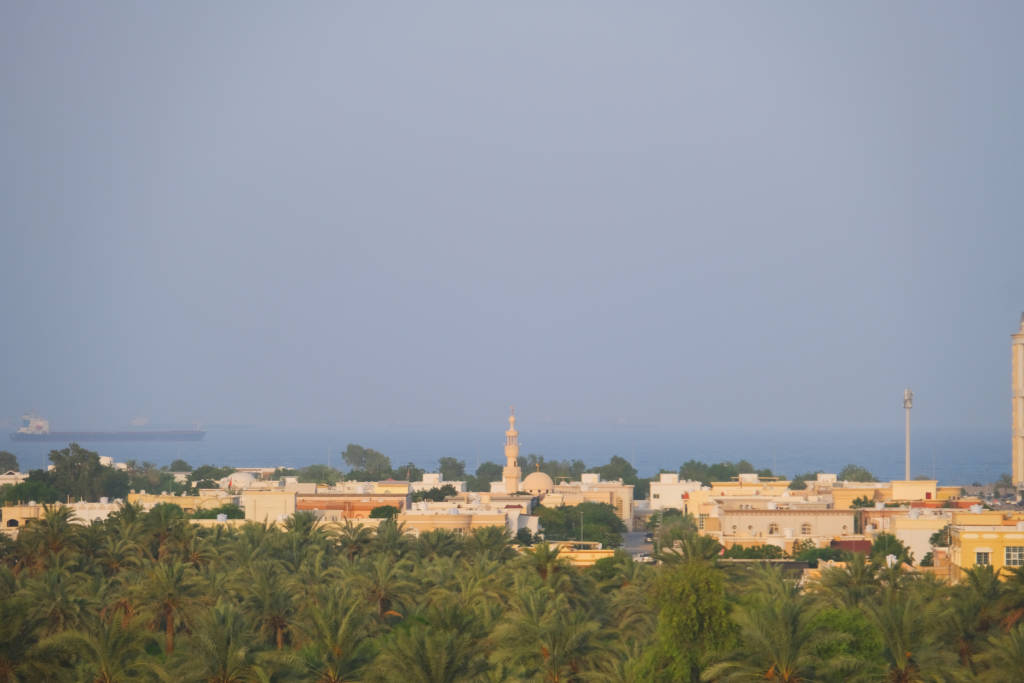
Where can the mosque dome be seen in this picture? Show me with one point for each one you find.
(537, 482)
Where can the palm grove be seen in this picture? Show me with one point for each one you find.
(151, 596)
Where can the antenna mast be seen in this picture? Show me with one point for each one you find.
(908, 403)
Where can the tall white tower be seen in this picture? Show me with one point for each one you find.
(1017, 402)
(908, 403)
(511, 474)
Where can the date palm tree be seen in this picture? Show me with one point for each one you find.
(353, 539)
(974, 609)
(544, 560)
(544, 638)
(438, 543)
(392, 538)
(334, 632)
(60, 599)
(102, 652)
(385, 583)
(439, 647)
(779, 637)
(269, 602)
(851, 585)
(1002, 661)
(493, 542)
(167, 592)
(49, 536)
(911, 647)
(18, 628)
(220, 649)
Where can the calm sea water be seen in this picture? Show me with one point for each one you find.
(952, 457)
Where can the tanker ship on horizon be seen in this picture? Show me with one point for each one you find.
(35, 428)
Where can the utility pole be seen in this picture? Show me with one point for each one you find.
(581, 526)
(908, 403)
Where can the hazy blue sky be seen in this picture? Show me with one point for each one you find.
(674, 214)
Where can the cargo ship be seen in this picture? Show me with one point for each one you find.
(35, 428)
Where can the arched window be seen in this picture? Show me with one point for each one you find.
(773, 529)
(805, 529)
(12, 522)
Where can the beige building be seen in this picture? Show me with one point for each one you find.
(207, 499)
(749, 485)
(14, 517)
(668, 492)
(434, 480)
(589, 489)
(268, 506)
(745, 524)
(914, 526)
(12, 477)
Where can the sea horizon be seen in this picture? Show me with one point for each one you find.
(953, 456)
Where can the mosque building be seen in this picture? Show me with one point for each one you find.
(540, 486)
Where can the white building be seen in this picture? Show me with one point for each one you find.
(434, 480)
(668, 492)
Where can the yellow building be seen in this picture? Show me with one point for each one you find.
(999, 546)
(749, 485)
(268, 506)
(580, 553)
(206, 500)
(15, 517)
(392, 486)
(458, 521)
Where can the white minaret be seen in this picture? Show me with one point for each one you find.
(1017, 402)
(510, 473)
(908, 403)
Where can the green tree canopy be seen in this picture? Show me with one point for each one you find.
(179, 465)
(485, 474)
(799, 482)
(694, 470)
(755, 552)
(209, 473)
(384, 512)
(319, 474)
(436, 494)
(887, 544)
(38, 490)
(941, 538)
(693, 622)
(232, 511)
(600, 523)
(855, 473)
(8, 462)
(452, 469)
(374, 463)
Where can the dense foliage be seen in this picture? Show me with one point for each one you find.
(151, 596)
(599, 523)
(695, 470)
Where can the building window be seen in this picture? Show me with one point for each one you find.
(773, 529)
(982, 559)
(733, 529)
(805, 529)
(655, 496)
(1015, 556)
(700, 521)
